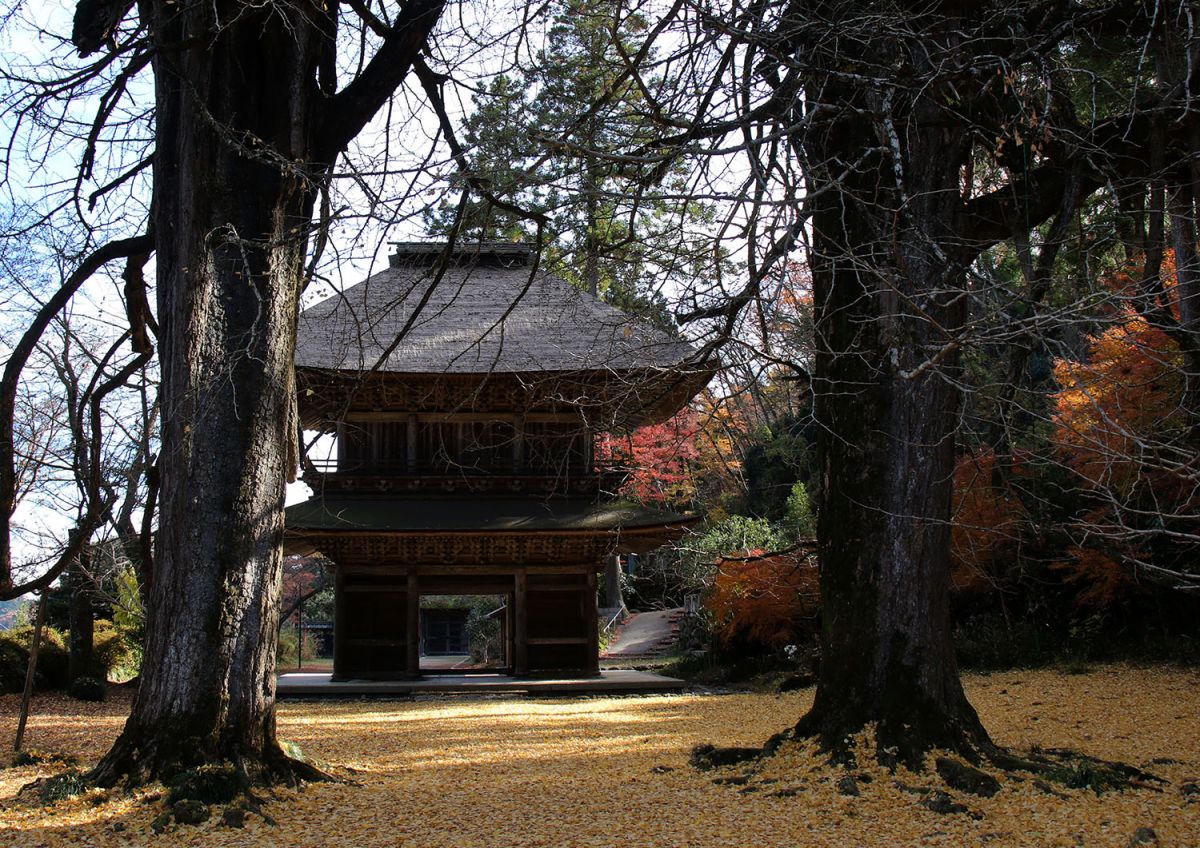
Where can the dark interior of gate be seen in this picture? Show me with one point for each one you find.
(382, 632)
(464, 461)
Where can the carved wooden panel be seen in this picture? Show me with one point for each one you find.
(462, 549)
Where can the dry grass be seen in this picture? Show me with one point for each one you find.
(613, 771)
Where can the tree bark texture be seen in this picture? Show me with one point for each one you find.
(235, 94)
(248, 123)
(82, 627)
(889, 300)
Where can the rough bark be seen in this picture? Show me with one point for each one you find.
(247, 125)
(82, 628)
(887, 284)
(234, 95)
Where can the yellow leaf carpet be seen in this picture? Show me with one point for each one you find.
(614, 772)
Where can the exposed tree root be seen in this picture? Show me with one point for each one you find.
(967, 740)
(135, 764)
(908, 730)
(1075, 770)
(194, 787)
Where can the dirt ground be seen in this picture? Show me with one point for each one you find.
(613, 772)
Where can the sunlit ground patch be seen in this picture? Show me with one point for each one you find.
(614, 771)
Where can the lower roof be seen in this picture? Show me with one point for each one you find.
(473, 515)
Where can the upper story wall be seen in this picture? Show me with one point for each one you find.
(463, 445)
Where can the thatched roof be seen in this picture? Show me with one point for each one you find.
(486, 313)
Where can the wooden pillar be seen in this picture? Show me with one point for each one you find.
(339, 624)
(412, 625)
(589, 451)
(591, 624)
(509, 647)
(520, 624)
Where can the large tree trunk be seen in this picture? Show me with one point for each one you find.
(888, 293)
(248, 120)
(234, 97)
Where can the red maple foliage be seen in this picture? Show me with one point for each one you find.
(303, 576)
(660, 458)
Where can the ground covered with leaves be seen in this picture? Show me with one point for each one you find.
(615, 771)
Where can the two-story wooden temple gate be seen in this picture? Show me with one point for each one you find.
(464, 463)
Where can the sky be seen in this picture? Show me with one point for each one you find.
(41, 165)
(377, 204)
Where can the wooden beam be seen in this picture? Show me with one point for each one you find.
(382, 643)
(509, 647)
(431, 586)
(467, 417)
(410, 449)
(482, 570)
(591, 620)
(339, 622)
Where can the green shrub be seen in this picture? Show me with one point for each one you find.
(109, 648)
(285, 653)
(483, 635)
(14, 659)
(12, 665)
(664, 579)
(800, 516)
(88, 689)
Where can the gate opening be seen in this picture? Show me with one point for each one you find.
(465, 634)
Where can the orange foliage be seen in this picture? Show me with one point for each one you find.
(723, 429)
(690, 457)
(1120, 424)
(768, 601)
(986, 521)
(1103, 583)
(1127, 393)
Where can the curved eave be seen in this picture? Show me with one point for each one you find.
(471, 515)
(329, 525)
(612, 399)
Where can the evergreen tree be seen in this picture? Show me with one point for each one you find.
(549, 143)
